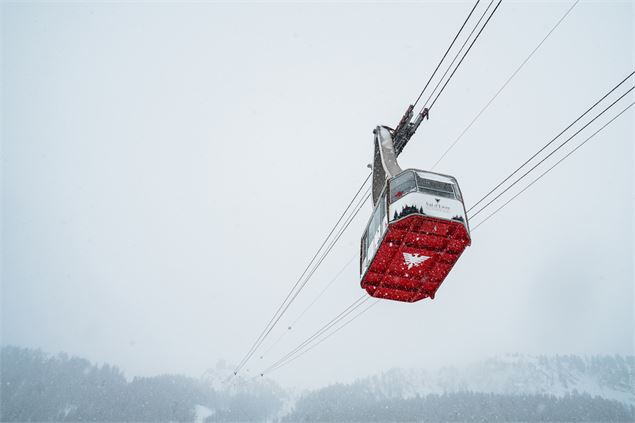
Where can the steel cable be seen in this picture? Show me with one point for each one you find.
(275, 317)
(556, 164)
(478, 115)
(446, 52)
(551, 141)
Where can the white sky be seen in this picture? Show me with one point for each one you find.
(168, 169)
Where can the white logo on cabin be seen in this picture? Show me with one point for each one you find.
(413, 260)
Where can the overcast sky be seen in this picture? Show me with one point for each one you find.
(168, 170)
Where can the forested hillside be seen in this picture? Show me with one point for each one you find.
(41, 387)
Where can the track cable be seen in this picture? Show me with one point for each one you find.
(509, 79)
(551, 141)
(446, 52)
(286, 302)
(464, 55)
(551, 154)
(556, 164)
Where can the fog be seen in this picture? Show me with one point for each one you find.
(169, 169)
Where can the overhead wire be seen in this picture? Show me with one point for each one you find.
(552, 140)
(288, 361)
(358, 302)
(509, 79)
(446, 52)
(458, 53)
(306, 309)
(357, 208)
(269, 326)
(295, 294)
(552, 167)
(551, 154)
(464, 55)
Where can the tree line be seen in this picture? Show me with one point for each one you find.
(40, 387)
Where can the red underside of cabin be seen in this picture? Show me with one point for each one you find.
(414, 258)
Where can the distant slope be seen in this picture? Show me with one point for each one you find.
(343, 403)
(35, 386)
(609, 377)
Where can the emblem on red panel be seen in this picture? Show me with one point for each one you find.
(413, 260)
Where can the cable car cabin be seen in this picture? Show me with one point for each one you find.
(416, 233)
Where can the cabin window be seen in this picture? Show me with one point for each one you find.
(378, 216)
(401, 185)
(364, 246)
(438, 188)
(374, 231)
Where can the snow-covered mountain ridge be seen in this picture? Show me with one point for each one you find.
(40, 387)
(610, 377)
